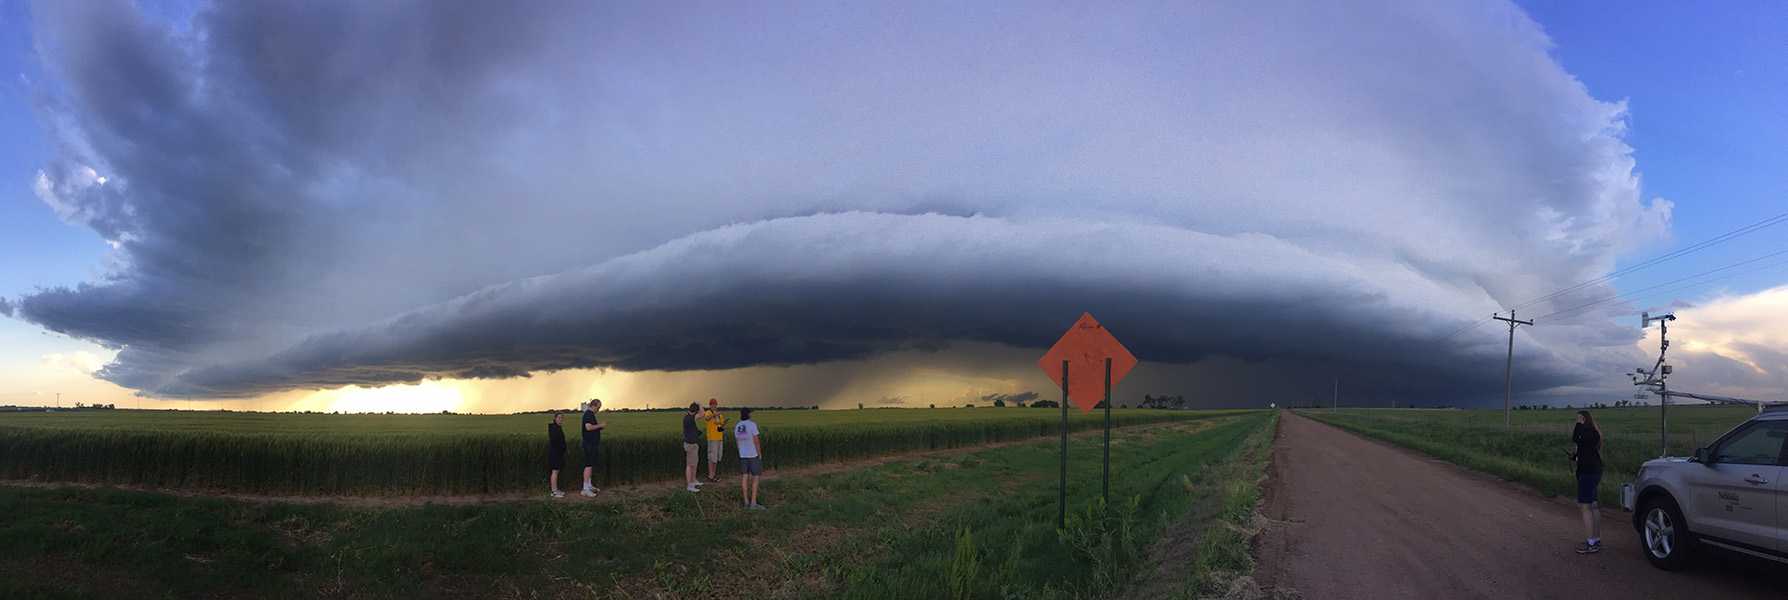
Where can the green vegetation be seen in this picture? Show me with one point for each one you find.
(372, 454)
(974, 524)
(1532, 450)
(1223, 566)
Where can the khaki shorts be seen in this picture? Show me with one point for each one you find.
(690, 454)
(716, 449)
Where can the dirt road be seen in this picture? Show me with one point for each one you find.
(1370, 520)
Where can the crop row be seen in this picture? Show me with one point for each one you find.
(461, 463)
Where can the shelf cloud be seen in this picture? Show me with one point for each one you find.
(310, 195)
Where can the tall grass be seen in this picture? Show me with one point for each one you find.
(1222, 566)
(453, 454)
(1532, 450)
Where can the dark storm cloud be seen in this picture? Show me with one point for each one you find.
(855, 286)
(1018, 398)
(543, 186)
(5, 307)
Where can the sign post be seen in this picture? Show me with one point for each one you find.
(1061, 505)
(1105, 481)
(1081, 350)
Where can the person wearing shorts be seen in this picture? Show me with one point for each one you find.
(692, 445)
(716, 423)
(1588, 455)
(592, 443)
(555, 450)
(751, 458)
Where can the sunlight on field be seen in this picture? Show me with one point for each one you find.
(426, 397)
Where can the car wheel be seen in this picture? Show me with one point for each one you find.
(1664, 535)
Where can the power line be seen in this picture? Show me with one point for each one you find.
(1720, 239)
(1466, 328)
(1697, 275)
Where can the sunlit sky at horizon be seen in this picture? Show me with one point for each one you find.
(334, 207)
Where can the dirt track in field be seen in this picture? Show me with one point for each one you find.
(1365, 519)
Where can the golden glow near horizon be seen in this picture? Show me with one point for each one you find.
(425, 397)
(912, 380)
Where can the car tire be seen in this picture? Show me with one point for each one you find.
(1664, 535)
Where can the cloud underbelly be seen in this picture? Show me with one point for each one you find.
(852, 286)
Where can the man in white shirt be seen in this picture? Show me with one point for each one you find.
(751, 458)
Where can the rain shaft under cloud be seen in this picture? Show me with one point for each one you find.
(315, 194)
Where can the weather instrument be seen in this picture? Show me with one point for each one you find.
(1655, 380)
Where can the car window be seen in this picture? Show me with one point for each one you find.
(1758, 444)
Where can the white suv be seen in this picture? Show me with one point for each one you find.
(1733, 494)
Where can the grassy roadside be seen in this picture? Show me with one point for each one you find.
(1531, 452)
(970, 525)
(1222, 566)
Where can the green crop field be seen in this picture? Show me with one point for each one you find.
(374, 454)
(1531, 450)
(971, 524)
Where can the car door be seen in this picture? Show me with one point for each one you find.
(1782, 501)
(1734, 495)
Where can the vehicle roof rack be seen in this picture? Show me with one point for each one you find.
(1775, 406)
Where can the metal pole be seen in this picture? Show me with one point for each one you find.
(1061, 513)
(1663, 424)
(1663, 387)
(1508, 388)
(1508, 377)
(1105, 487)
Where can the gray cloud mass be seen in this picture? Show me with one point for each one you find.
(319, 194)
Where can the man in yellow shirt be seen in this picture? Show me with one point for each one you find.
(716, 436)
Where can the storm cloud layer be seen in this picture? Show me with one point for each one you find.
(317, 194)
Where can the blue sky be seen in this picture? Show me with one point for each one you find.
(1702, 83)
(833, 206)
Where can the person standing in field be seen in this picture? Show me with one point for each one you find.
(1588, 456)
(692, 444)
(555, 450)
(716, 423)
(592, 442)
(751, 458)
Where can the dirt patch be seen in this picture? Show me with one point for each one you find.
(1271, 546)
(1372, 520)
(91, 579)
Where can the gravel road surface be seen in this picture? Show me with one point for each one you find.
(1365, 519)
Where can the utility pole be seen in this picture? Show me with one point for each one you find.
(58, 400)
(1508, 388)
(1337, 393)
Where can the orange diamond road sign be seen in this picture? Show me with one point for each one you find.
(1086, 346)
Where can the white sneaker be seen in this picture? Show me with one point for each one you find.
(591, 492)
(692, 488)
(697, 483)
(558, 494)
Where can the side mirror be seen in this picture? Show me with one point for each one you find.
(1702, 455)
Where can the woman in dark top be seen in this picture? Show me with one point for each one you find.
(1588, 455)
(555, 450)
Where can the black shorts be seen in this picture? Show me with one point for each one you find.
(1587, 486)
(751, 466)
(555, 461)
(592, 455)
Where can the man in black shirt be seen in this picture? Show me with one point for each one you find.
(555, 450)
(692, 443)
(592, 442)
